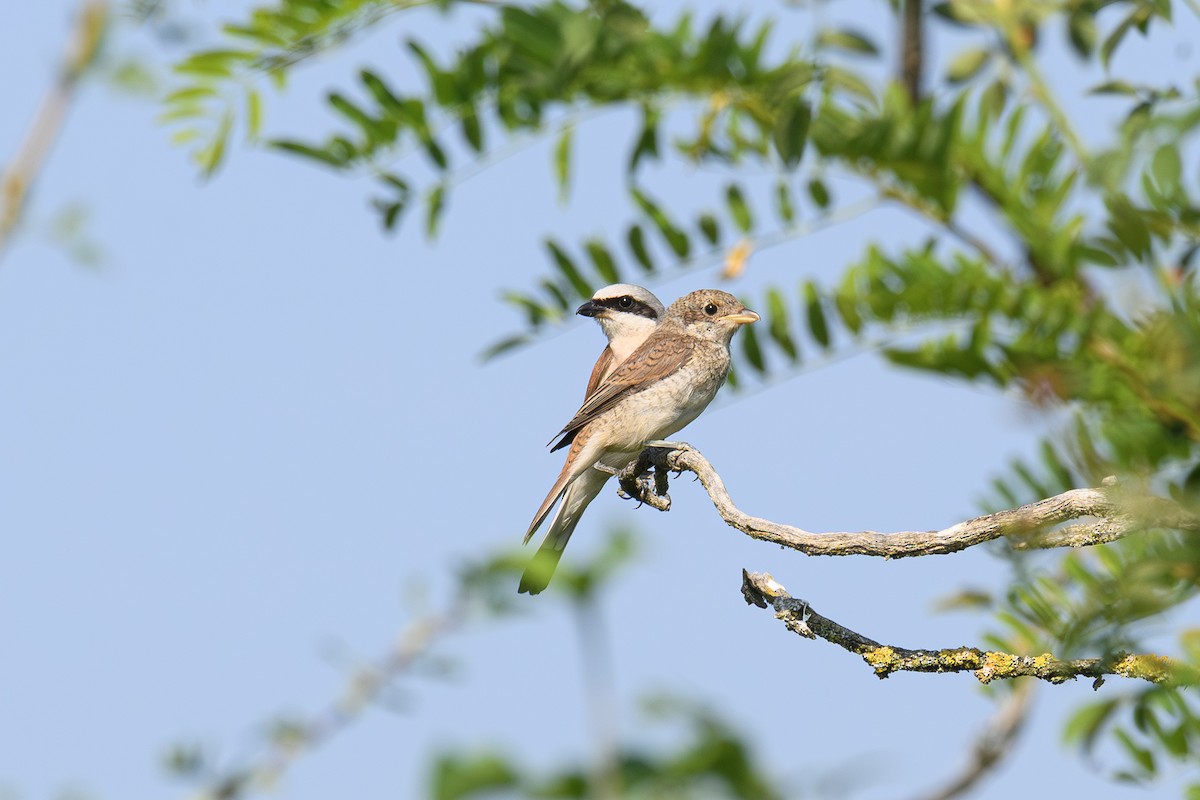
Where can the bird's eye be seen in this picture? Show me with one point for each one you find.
(625, 302)
(710, 309)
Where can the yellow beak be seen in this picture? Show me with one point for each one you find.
(745, 317)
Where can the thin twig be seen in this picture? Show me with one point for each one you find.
(762, 590)
(912, 56)
(18, 178)
(366, 686)
(1119, 514)
(992, 745)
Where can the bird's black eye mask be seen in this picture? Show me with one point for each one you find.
(627, 305)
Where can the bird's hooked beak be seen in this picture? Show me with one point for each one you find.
(590, 309)
(743, 317)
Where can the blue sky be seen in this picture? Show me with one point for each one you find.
(246, 435)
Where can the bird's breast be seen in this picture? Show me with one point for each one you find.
(670, 403)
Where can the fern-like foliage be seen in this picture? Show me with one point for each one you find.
(1032, 226)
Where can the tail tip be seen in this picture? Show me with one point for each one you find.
(529, 587)
(537, 575)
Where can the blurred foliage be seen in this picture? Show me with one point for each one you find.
(483, 592)
(716, 762)
(1035, 299)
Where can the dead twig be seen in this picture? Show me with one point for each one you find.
(1117, 513)
(762, 590)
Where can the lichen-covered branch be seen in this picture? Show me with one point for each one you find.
(762, 590)
(1116, 513)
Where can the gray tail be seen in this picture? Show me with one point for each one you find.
(578, 494)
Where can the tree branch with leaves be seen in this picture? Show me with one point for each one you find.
(1031, 217)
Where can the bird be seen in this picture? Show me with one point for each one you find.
(661, 387)
(627, 314)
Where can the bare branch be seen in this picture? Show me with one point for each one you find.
(22, 171)
(1119, 513)
(762, 590)
(367, 685)
(992, 745)
(912, 55)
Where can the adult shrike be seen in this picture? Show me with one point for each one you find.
(661, 387)
(627, 314)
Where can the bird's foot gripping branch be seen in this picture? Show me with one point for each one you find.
(1109, 512)
(645, 478)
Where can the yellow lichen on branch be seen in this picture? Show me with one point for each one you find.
(987, 665)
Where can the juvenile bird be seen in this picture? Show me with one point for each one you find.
(627, 314)
(661, 387)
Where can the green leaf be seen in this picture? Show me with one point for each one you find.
(435, 205)
(637, 245)
(560, 298)
(647, 141)
(189, 94)
(738, 209)
(435, 152)
(472, 130)
(709, 228)
(1167, 169)
(783, 202)
(211, 156)
(849, 41)
(751, 348)
(1141, 755)
(1115, 87)
(213, 64)
(967, 64)
(391, 214)
(533, 34)
(362, 119)
(817, 324)
(459, 777)
(1081, 30)
(603, 260)
(499, 348)
(253, 114)
(562, 161)
(442, 83)
(992, 101)
(185, 135)
(791, 131)
(778, 327)
(846, 303)
(308, 151)
(535, 312)
(1113, 40)
(676, 239)
(567, 267)
(819, 193)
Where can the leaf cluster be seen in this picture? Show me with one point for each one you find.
(715, 762)
(1033, 300)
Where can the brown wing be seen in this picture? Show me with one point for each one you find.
(603, 363)
(658, 357)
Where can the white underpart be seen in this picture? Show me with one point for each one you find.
(625, 331)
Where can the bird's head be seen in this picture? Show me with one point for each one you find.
(711, 314)
(623, 308)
